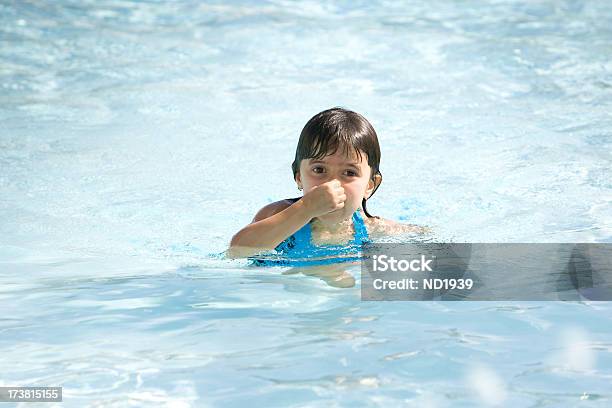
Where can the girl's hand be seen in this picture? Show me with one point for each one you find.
(324, 198)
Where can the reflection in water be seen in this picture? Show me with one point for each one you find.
(335, 275)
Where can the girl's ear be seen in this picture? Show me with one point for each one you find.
(373, 185)
(298, 180)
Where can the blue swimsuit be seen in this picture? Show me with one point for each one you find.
(298, 249)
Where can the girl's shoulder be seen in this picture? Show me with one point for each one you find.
(273, 208)
(378, 226)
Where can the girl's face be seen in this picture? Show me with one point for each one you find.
(351, 171)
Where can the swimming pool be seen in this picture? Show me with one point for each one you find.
(137, 137)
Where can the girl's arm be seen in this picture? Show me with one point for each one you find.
(271, 226)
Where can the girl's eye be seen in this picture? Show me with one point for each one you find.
(318, 169)
(351, 173)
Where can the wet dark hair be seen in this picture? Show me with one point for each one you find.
(336, 128)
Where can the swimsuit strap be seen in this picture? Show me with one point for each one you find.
(361, 232)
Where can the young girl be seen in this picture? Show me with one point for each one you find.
(336, 165)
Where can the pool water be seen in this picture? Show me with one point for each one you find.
(137, 137)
